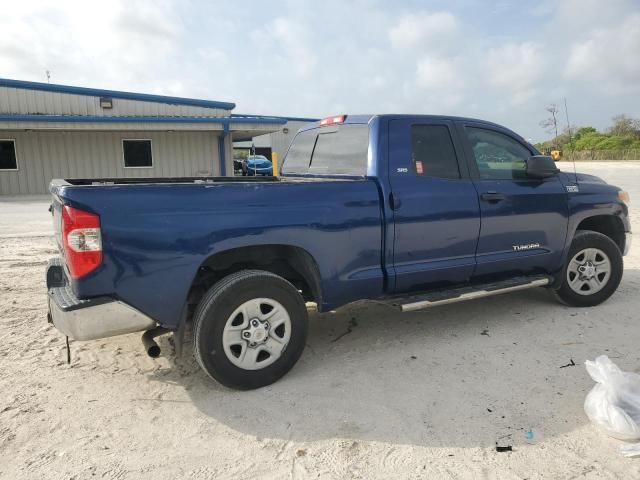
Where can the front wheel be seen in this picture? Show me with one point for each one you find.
(593, 270)
(250, 329)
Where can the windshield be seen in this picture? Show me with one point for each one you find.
(340, 150)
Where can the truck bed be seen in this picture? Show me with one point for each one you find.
(157, 232)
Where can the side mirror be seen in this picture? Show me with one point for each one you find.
(541, 166)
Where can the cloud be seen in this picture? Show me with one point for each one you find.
(424, 45)
(438, 73)
(417, 29)
(291, 38)
(516, 68)
(609, 56)
(284, 58)
(285, 42)
(579, 16)
(110, 47)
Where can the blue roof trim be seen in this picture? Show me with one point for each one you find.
(96, 92)
(291, 119)
(147, 119)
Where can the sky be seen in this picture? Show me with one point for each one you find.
(503, 60)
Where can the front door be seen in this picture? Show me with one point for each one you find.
(435, 206)
(523, 220)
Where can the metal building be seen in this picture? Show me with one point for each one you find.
(58, 131)
(277, 142)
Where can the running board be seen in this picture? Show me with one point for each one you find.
(462, 294)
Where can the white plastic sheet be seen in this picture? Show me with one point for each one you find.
(614, 403)
(631, 450)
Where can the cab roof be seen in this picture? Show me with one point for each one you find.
(363, 119)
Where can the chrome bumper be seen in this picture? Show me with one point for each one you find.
(98, 321)
(627, 242)
(89, 319)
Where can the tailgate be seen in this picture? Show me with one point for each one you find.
(56, 215)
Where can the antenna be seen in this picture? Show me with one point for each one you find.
(573, 157)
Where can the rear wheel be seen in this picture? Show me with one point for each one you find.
(593, 270)
(250, 329)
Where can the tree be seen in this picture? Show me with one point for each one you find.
(582, 131)
(551, 123)
(624, 134)
(624, 126)
(590, 140)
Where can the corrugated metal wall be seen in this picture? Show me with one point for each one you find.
(45, 155)
(25, 101)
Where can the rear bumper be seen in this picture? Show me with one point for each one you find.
(89, 319)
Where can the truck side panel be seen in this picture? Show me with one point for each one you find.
(594, 198)
(155, 237)
(436, 219)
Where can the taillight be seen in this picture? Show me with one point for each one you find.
(332, 120)
(82, 241)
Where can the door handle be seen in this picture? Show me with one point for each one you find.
(492, 197)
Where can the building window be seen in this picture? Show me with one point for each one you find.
(137, 153)
(8, 159)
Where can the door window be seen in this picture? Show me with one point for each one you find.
(432, 152)
(498, 156)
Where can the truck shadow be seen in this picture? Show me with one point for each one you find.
(501, 369)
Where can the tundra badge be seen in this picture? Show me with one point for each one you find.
(527, 246)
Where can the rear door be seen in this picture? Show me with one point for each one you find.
(523, 220)
(435, 205)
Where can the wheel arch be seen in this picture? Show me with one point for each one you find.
(292, 263)
(608, 225)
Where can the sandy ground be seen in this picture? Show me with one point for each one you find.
(418, 395)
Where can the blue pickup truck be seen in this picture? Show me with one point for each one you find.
(411, 210)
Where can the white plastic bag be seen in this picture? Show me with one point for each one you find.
(614, 403)
(631, 450)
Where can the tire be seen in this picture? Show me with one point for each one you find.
(580, 291)
(229, 309)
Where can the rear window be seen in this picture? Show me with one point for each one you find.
(329, 150)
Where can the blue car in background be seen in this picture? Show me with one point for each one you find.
(257, 165)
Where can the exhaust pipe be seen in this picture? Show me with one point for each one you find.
(150, 345)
